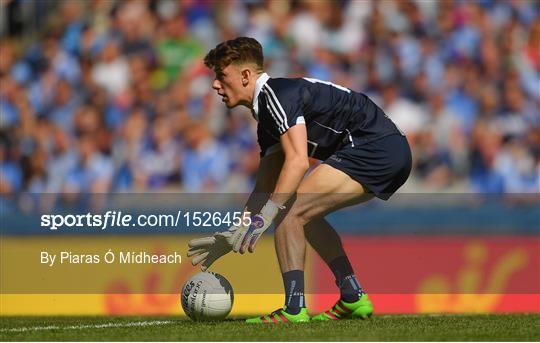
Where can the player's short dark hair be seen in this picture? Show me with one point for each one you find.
(235, 51)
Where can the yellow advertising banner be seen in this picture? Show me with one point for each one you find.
(115, 275)
(75, 284)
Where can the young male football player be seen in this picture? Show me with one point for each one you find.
(363, 154)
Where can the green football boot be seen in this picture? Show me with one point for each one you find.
(280, 316)
(363, 308)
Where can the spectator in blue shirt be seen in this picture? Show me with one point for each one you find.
(205, 163)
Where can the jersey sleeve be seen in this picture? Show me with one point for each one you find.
(282, 109)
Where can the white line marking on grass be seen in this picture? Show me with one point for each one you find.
(89, 326)
(417, 315)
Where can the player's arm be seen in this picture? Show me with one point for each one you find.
(266, 179)
(207, 250)
(295, 165)
(280, 172)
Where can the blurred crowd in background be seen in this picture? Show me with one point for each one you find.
(103, 95)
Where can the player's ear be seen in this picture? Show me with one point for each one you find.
(246, 74)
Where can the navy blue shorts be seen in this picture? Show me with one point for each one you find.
(382, 165)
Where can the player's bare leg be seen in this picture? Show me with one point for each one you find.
(324, 190)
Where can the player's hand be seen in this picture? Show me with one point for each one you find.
(207, 250)
(259, 224)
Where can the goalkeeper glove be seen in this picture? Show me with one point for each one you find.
(207, 250)
(259, 224)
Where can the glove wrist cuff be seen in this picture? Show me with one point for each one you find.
(270, 210)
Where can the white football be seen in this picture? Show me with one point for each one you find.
(207, 296)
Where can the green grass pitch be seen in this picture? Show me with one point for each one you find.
(510, 327)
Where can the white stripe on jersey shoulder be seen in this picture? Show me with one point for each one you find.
(273, 111)
(280, 113)
(261, 81)
(345, 89)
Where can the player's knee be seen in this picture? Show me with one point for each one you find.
(300, 215)
(293, 221)
(290, 222)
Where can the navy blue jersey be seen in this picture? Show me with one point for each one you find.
(333, 115)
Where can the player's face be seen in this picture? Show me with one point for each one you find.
(228, 84)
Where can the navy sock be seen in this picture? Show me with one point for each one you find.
(349, 287)
(293, 282)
